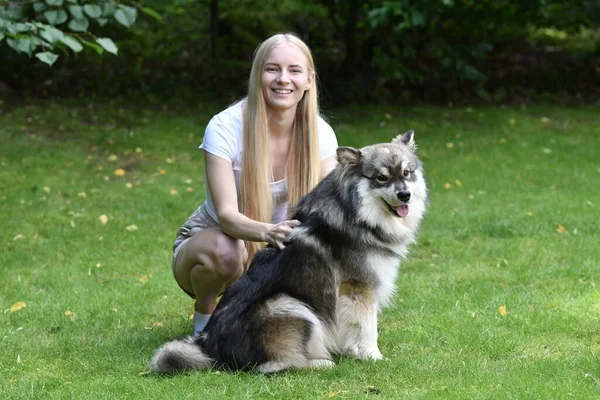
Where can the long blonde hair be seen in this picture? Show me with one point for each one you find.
(303, 163)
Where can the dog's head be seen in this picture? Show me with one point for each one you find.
(389, 178)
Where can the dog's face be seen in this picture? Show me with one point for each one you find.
(389, 179)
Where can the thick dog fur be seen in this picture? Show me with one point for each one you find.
(320, 295)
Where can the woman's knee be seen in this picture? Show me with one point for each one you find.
(229, 256)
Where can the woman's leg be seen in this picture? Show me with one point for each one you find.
(207, 263)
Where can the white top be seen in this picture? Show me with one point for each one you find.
(223, 138)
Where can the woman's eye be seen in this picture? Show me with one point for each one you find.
(381, 178)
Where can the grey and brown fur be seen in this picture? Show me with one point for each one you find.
(320, 295)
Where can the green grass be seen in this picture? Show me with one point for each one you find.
(514, 221)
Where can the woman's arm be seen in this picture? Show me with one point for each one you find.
(221, 183)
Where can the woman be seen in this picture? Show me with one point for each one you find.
(261, 155)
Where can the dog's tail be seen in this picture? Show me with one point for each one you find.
(180, 355)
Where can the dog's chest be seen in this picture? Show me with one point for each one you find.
(374, 276)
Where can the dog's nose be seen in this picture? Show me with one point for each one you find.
(403, 195)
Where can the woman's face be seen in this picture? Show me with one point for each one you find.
(285, 77)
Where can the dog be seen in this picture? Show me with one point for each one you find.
(321, 294)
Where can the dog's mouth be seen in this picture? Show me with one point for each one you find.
(400, 211)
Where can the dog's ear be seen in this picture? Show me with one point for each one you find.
(407, 138)
(348, 156)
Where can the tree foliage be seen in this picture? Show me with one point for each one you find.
(46, 27)
(388, 46)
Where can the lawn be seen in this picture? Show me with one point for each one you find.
(498, 299)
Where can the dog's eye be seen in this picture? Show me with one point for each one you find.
(406, 173)
(381, 178)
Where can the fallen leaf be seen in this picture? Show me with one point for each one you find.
(103, 219)
(458, 183)
(83, 195)
(561, 229)
(173, 192)
(46, 189)
(169, 160)
(162, 171)
(131, 228)
(17, 306)
(450, 145)
(529, 213)
(189, 189)
(544, 120)
(69, 164)
(502, 310)
(331, 394)
(153, 325)
(512, 121)
(138, 149)
(19, 236)
(447, 185)
(128, 185)
(120, 172)
(113, 157)
(143, 278)
(70, 314)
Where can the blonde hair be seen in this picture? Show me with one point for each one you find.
(303, 163)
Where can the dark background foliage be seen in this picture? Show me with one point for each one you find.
(366, 50)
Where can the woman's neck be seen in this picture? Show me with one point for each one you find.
(281, 121)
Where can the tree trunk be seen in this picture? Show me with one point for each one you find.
(214, 28)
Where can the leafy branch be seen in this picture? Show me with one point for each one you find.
(42, 27)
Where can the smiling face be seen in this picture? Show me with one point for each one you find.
(285, 77)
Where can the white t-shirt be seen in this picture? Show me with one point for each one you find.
(223, 138)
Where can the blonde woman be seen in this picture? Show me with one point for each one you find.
(261, 155)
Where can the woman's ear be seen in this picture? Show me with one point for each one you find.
(310, 80)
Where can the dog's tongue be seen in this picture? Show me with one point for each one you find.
(402, 210)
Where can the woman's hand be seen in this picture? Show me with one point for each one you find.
(277, 234)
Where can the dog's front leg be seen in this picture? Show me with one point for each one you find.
(357, 319)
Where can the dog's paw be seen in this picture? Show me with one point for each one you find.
(370, 354)
(320, 364)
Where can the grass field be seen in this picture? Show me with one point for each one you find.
(498, 300)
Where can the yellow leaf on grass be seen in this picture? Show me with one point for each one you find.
(120, 172)
(169, 160)
(18, 236)
(544, 120)
(502, 310)
(128, 185)
(512, 121)
(83, 195)
(103, 219)
(189, 189)
(138, 149)
(173, 192)
(70, 314)
(529, 213)
(331, 394)
(18, 306)
(450, 145)
(458, 183)
(131, 228)
(143, 278)
(113, 157)
(447, 185)
(46, 189)
(561, 229)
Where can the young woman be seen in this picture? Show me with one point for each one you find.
(261, 155)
